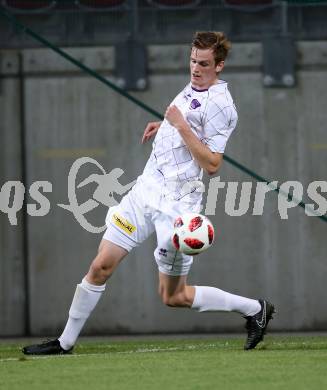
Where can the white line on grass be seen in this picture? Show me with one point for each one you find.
(140, 350)
(146, 350)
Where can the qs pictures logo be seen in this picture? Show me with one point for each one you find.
(238, 198)
(13, 192)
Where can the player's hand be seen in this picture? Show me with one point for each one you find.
(150, 131)
(174, 116)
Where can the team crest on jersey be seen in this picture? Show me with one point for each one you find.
(122, 223)
(195, 104)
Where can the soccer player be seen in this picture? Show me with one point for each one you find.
(191, 139)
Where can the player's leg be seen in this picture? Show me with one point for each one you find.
(175, 292)
(89, 291)
(173, 269)
(87, 295)
(128, 226)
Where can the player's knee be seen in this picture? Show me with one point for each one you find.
(176, 300)
(98, 269)
(168, 300)
(102, 268)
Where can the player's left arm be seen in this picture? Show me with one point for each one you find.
(208, 160)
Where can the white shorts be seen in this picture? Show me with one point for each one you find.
(134, 220)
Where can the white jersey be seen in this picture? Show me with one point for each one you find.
(212, 117)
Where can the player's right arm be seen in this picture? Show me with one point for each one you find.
(150, 130)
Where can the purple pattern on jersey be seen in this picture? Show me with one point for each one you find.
(195, 104)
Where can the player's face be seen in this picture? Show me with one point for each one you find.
(203, 68)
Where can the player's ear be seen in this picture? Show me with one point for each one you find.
(220, 66)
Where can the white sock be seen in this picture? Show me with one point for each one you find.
(85, 299)
(214, 299)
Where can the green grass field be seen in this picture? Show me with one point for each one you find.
(216, 363)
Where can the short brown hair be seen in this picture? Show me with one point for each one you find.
(214, 40)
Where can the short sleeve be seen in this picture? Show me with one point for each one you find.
(218, 127)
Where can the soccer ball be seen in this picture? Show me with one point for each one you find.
(193, 233)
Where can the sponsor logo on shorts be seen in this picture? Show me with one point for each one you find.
(122, 223)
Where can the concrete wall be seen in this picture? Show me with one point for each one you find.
(12, 256)
(281, 135)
